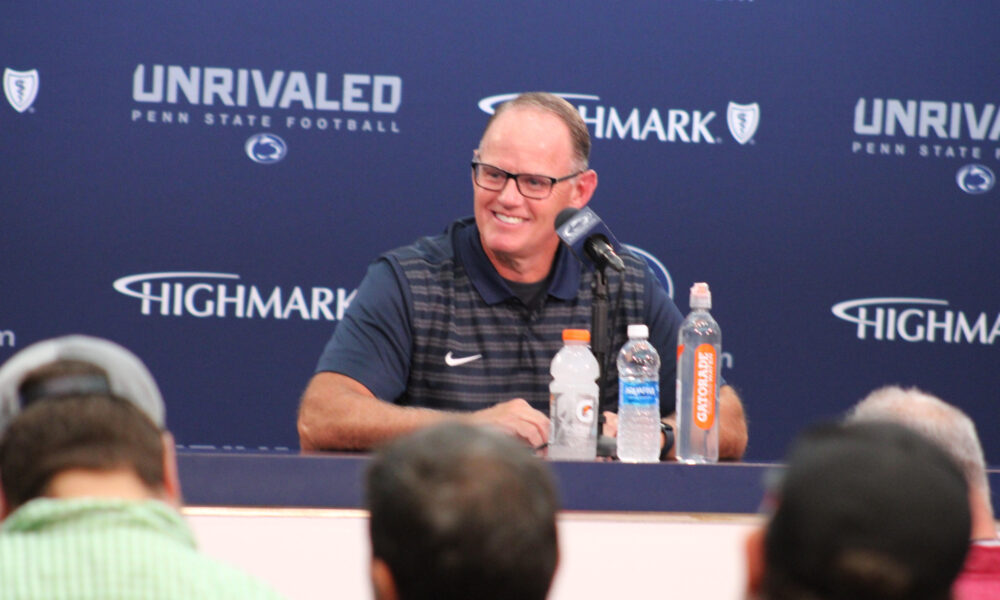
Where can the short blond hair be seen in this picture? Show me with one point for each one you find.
(551, 103)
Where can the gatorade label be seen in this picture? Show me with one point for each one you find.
(677, 380)
(704, 386)
(639, 393)
(585, 409)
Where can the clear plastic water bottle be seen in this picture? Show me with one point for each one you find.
(699, 348)
(638, 398)
(573, 400)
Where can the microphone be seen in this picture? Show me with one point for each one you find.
(589, 238)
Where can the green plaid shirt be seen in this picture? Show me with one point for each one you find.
(107, 549)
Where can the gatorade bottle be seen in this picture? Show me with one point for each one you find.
(699, 347)
(573, 399)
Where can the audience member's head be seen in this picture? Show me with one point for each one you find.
(461, 512)
(81, 416)
(948, 427)
(864, 511)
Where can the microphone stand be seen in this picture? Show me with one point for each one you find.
(600, 343)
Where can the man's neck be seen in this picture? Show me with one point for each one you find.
(86, 483)
(522, 270)
(984, 527)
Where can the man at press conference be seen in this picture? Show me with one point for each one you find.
(464, 325)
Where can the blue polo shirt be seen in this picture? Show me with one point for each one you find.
(434, 325)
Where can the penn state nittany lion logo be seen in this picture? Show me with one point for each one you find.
(265, 148)
(975, 179)
(21, 88)
(743, 120)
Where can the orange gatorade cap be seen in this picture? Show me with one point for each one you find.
(579, 335)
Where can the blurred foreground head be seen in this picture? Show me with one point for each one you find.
(81, 404)
(864, 511)
(461, 512)
(942, 423)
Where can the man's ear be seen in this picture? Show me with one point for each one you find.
(754, 548)
(584, 186)
(383, 585)
(171, 479)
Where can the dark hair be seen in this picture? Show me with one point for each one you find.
(867, 511)
(96, 432)
(462, 512)
(550, 103)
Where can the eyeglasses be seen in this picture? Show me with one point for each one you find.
(536, 187)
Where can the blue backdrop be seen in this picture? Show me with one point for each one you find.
(828, 167)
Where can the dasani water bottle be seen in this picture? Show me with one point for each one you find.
(638, 398)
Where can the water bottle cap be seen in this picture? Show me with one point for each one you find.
(701, 297)
(638, 331)
(578, 335)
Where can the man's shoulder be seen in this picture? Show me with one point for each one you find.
(631, 259)
(636, 266)
(157, 541)
(432, 249)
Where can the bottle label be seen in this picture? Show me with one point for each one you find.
(677, 380)
(639, 393)
(573, 421)
(704, 386)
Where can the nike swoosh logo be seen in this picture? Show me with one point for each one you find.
(451, 361)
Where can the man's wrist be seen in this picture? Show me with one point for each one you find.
(668, 440)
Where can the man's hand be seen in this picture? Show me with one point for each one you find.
(733, 435)
(339, 413)
(610, 424)
(516, 417)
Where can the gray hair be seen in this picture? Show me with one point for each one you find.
(944, 424)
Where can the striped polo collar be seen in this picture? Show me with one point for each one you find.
(489, 283)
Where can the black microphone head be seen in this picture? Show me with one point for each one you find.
(565, 215)
(589, 238)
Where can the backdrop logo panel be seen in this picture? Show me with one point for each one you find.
(743, 120)
(975, 179)
(662, 124)
(21, 88)
(265, 148)
(206, 294)
(223, 97)
(911, 320)
(928, 128)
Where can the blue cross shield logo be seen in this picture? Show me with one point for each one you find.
(21, 88)
(743, 120)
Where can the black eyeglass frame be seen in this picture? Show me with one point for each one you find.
(552, 180)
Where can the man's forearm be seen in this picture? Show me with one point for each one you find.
(338, 413)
